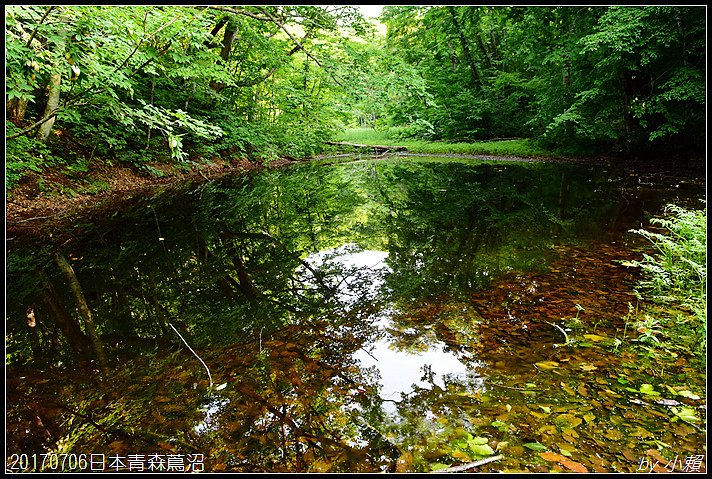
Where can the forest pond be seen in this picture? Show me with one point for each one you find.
(399, 314)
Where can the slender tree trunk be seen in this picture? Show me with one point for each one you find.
(31, 321)
(69, 327)
(476, 80)
(53, 88)
(84, 310)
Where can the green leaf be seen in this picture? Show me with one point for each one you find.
(535, 446)
(686, 413)
(478, 440)
(648, 389)
(502, 426)
(565, 452)
(688, 394)
(438, 466)
(481, 449)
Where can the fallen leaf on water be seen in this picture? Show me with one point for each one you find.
(460, 456)
(594, 337)
(535, 446)
(547, 364)
(567, 420)
(568, 463)
(649, 390)
(568, 390)
(582, 390)
(629, 455)
(481, 449)
(688, 394)
(588, 367)
(685, 413)
(656, 455)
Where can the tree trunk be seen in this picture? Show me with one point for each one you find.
(84, 310)
(55, 80)
(71, 329)
(476, 81)
(16, 109)
(53, 92)
(31, 321)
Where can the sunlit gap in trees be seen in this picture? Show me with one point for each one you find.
(399, 368)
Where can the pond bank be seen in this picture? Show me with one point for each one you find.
(53, 200)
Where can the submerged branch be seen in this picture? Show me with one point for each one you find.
(194, 353)
(471, 465)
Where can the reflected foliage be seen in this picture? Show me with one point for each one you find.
(254, 272)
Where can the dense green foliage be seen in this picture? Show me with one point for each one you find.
(149, 83)
(677, 273)
(628, 79)
(137, 84)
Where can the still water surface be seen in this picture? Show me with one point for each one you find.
(392, 315)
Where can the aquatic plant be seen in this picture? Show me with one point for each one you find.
(677, 273)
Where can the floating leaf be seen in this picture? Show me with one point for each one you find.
(551, 456)
(535, 446)
(477, 440)
(582, 390)
(685, 413)
(546, 409)
(595, 337)
(567, 420)
(547, 364)
(568, 463)
(482, 450)
(688, 394)
(460, 455)
(629, 455)
(565, 452)
(502, 426)
(648, 389)
(438, 466)
(588, 367)
(221, 387)
(568, 390)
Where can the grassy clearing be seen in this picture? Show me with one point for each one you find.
(393, 136)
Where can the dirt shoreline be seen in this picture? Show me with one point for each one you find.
(30, 211)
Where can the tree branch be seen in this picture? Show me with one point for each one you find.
(32, 36)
